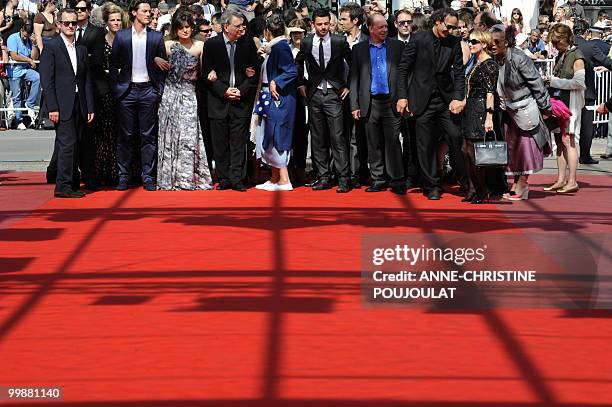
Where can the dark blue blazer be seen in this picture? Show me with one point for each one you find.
(58, 79)
(121, 61)
(281, 69)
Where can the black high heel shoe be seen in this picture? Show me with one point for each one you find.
(469, 197)
(481, 198)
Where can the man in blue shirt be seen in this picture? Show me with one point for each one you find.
(21, 50)
(535, 45)
(373, 95)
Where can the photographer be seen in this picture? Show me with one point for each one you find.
(575, 11)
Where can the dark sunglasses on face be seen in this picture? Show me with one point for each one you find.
(69, 23)
(206, 31)
(473, 42)
(404, 22)
(451, 27)
(83, 9)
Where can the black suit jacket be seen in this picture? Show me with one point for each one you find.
(216, 59)
(58, 79)
(93, 40)
(361, 74)
(121, 62)
(593, 56)
(334, 72)
(420, 72)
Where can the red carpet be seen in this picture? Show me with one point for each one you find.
(221, 298)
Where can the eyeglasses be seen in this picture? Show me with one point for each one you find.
(81, 8)
(450, 27)
(473, 42)
(404, 22)
(206, 31)
(69, 23)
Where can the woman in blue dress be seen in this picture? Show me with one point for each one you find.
(276, 106)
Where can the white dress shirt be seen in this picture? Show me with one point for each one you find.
(316, 40)
(71, 47)
(403, 40)
(139, 57)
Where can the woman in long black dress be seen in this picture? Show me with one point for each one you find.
(105, 140)
(478, 113)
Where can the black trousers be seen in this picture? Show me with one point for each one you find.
(435, 119)
(205, 123)
(325, 120)
(85, 158)
(68, 134)
(409, 150)
(140, 104)
(382, 128)
(300, 136)
(355, 134)
(586, 129)
(229, 141)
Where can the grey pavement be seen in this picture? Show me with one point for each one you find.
(30, 150)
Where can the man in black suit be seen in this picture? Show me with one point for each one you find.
(434, 61)
(233, 57)
(351, 19)
(325, 56)
(373, 97)
(137, 79)
(593, 56)
(91, 37)
(69, 100)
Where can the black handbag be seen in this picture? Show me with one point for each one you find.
(491, 153)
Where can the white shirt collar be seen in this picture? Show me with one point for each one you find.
(324, 39)
(68, 43)
(136, 34)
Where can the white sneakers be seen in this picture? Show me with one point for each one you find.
(21, 126)
(32, 113)
(269, 186)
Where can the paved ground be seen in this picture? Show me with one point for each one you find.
(30, 150)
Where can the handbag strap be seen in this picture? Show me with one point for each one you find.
(484, 138)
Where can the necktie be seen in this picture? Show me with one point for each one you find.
(322, 65)
(231, 58)
(79, 35)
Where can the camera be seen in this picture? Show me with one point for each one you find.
(8, 18)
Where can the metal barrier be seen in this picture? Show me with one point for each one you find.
(13, 109)
(603, 85)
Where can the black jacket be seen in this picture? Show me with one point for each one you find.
(420, 73)
(335, 70)
(361, 74)
(58, 79)
(216, 59)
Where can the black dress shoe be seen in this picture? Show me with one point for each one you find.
(434, 195)
(588, 161)
(344, 186)
(321, 184)
(224, 185)
(149, 186)
(376, 188)
(411, 184)
(91, 187)
(355, 184)
(69, 194)
(399, 189)
(122, 186)
(239, 186)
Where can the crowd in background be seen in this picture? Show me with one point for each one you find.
(211, 129)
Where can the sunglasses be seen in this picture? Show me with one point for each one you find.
(404, 22)
(206, 31)
(451, 27)
(473, 42)
(69, 23)
(81, 9)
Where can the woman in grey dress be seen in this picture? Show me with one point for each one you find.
(182, 162)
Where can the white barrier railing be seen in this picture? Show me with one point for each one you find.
(603, 85)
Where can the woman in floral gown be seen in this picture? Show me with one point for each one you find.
(182, 162)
